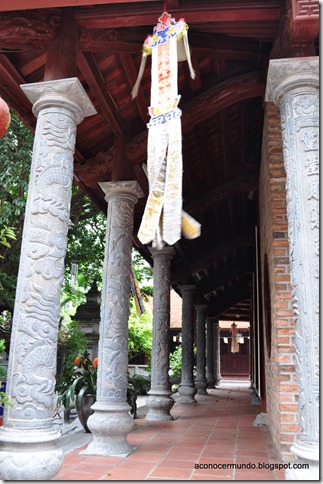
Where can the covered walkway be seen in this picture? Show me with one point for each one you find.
(217, 430)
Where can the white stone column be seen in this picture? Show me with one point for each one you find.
(187, 388)
(217, 354)
(210, 351)
(293, 85)
(200, 382)
(159, 401)
(28, 448)
(111, 422)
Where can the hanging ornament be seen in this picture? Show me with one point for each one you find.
(234, 339)
(163, 218)
(4, 117)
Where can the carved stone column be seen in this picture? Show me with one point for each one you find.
(200, 382)
(293, 85)
(210, 351)
(111, 422)
(217, 353)
(159, 401)
(28, 438)
(187, 389)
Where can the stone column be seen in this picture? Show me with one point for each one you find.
(293, 85)
(217, 353)
(28, 438)
(200, 382)
(111, 421)
(210, 352)
(159, 401)
(187, 389)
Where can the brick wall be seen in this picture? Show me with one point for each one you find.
(281, 383)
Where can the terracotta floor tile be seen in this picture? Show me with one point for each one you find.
(171, 472)
(177, 464)
(216, 430)
(126, 475)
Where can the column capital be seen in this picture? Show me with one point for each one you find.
(62, 92)
(165, 251)
(128, 188)
(286, 74)
(187, 288)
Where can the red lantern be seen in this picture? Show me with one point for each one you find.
(4, 117)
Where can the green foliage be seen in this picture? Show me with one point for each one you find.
(85, 242)
(140, 332)
(175, 362)
(4, 400)
(5, 234)
(141, 383)
(144, 274)
(71, 342)
(3, 371)
(15, 161)
(2, 345)
(82, 381)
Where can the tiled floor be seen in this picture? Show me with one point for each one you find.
(215, 431)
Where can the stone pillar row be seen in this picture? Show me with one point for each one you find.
(293, 85)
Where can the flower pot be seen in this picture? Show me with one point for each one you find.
(85, 410)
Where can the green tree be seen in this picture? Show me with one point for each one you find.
(15, 160)
(140, 333)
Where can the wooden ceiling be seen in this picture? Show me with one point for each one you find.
(223, 108)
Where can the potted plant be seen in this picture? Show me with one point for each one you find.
(82, 388)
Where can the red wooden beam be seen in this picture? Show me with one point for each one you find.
(10, 5)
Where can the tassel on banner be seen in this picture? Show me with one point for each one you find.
(136, 293)
(134, 92)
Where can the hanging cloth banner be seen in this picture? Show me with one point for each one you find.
(234, 340)
(163, 219)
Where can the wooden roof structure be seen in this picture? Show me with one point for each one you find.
(231, 44)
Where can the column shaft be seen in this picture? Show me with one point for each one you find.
(187, 389)
(210, 352)
(217, 353)
(28, 438)
(111, 421)
(200, 382)
(293, 84)
(159, 401)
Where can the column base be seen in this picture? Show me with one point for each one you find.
(110, 425)
(218, 381)
(201, 386)
(306, 454)
(159, 404)
(187, 392)
(29, 455)
(210, 384)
